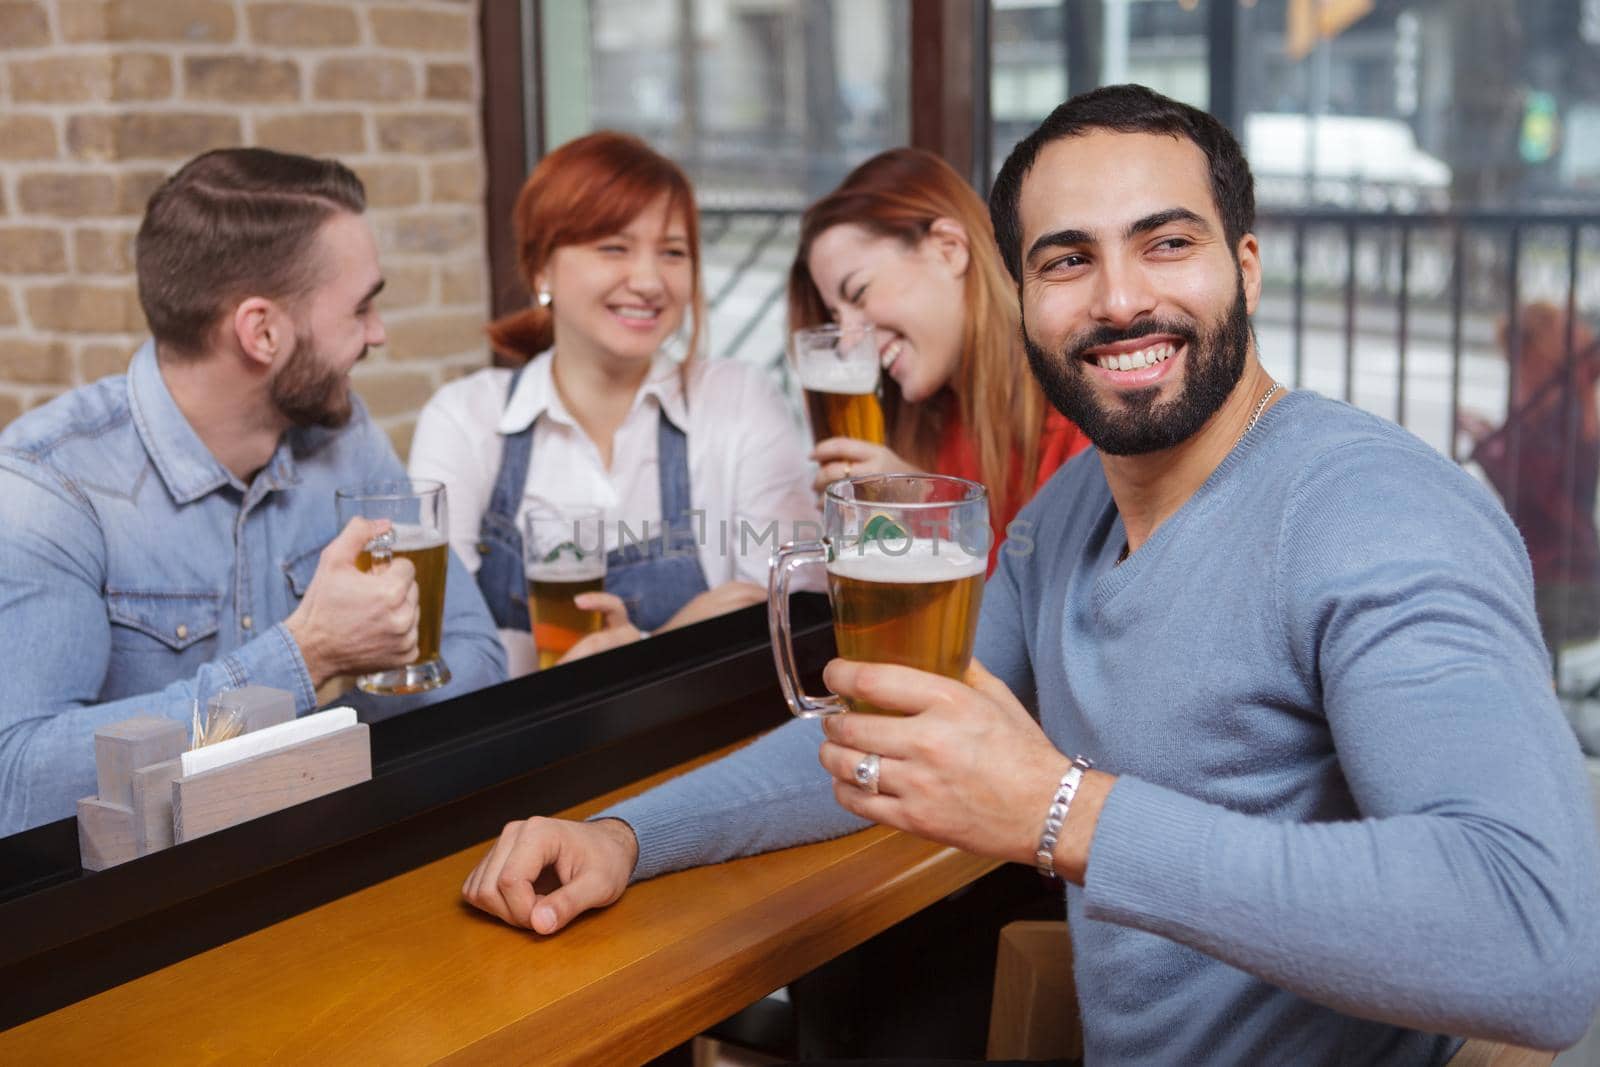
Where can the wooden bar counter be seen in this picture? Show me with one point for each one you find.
(403, 972)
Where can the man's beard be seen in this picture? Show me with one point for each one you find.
(310, 392)
(1137, 425)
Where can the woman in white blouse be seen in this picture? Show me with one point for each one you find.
(600, 415)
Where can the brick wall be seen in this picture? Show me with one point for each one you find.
(101, 99)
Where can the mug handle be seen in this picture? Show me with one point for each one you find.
(382, 548)
(785, 561)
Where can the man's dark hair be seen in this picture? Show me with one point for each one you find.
(231, 224)
(1127, 109)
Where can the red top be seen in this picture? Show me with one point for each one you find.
(1059, 441)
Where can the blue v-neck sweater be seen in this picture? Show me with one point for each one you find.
(1349, 816)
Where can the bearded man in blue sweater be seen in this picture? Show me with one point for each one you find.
(1335, 815)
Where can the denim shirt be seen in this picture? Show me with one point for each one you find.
(137, 574)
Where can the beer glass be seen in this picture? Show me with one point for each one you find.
(418, 520)
(838, 371)
(905, 557)
(564, 554)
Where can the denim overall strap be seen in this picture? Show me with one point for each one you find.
(501, 577)
(658, 576)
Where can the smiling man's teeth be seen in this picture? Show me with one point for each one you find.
(1145, 357)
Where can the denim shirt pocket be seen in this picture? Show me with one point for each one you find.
(301, 569)
(168, 620)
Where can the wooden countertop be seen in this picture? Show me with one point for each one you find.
(403, 972)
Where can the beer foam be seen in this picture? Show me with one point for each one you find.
(923, 560)
(567, 569)
(412, 538)
(823, 372)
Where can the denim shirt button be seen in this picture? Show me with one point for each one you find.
(247, 622)
(483, 548)
(183, 631)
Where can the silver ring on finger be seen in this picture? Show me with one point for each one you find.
(867, 772)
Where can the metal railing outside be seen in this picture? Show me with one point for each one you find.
(1400, 313)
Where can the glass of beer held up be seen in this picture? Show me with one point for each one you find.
(563, 550)
(837, 367)
(419, 520)
(905, 556)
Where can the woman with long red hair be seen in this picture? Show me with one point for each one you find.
(905, 244)
(603, 414)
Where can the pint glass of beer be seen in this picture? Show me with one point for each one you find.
(838, 371)
(563, 551)
(905, 556)
(419, 521)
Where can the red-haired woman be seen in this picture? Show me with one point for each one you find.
(602, 415)
(905, 244)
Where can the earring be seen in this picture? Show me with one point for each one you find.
(544, 298)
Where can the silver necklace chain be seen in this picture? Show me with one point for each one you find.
(1255, 416)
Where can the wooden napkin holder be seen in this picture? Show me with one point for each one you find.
(213, 800)
(106, 822)
(145, 803)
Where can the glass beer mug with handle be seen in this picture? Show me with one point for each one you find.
(419, 522)
(905, 556)
(837, 367)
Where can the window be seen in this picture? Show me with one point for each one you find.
(1047, 50)
(766, 103)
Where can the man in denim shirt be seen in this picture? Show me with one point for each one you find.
(172, 532)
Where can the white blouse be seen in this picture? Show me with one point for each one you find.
(747, 462)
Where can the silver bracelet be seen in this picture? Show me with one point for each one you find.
(1045, 857)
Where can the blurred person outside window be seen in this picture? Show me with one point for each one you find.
(1544, 461)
